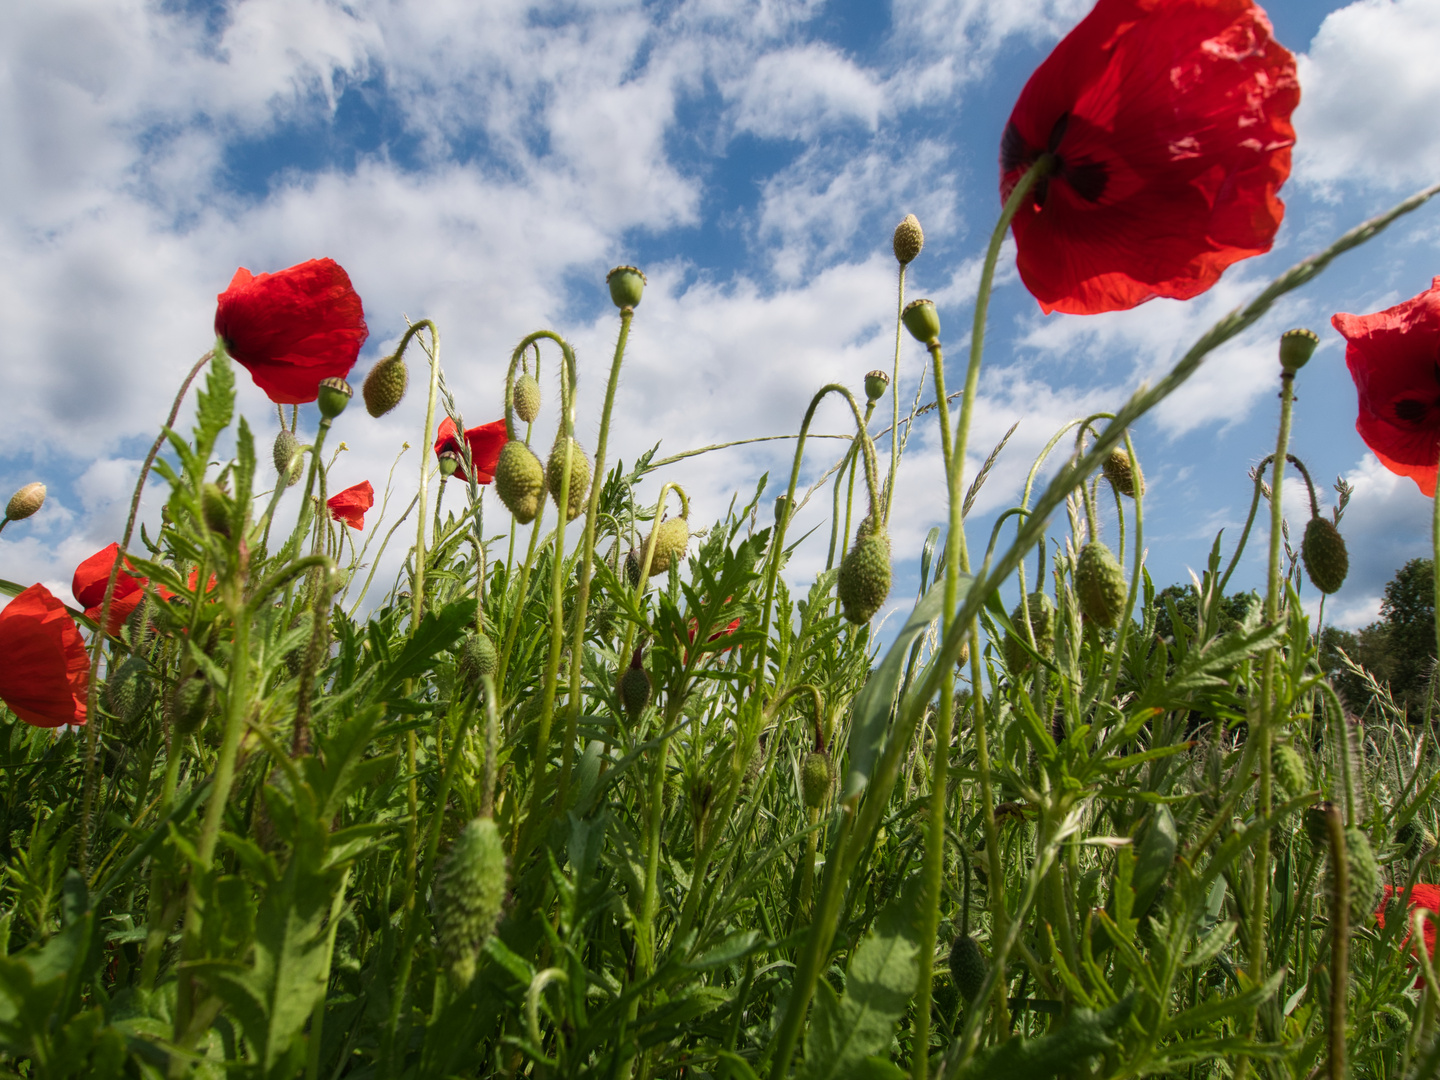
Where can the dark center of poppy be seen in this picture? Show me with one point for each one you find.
(1086, 178)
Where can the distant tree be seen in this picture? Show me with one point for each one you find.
(1398, 648)
(1233, 609)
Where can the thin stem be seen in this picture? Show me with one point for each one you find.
(895, 396)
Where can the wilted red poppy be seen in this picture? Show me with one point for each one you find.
(1170, 124)
(485, 444)
(1421, 896)
(89, 582)
(350, 505)
(45, 678)
(1394, 358)
(293, 328)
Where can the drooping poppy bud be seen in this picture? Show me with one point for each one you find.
(25, 502)
(864, 579)
(385, 386)
(671, 539)
(288, 465)
(579, 476)
(215, 507)
(968, 967)
(1042, 622)
(633, 687)
(191, 703)
(1366, 881)
(1100, 585)
(527, 398)
(627, 285)
(478, 657)
(334, 395)
(520, 481)
(909, 238)
(1121, 473)
(129, 689)
(1296, 348)
(469, 895)
(815, 779)
(1290, 769)
(1323, 551)
(922, 320)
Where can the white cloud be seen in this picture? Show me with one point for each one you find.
(795, 93)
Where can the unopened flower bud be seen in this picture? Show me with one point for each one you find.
(1119, 469)
(215, 509)
(1296, 348)
(25, 502)
(627, 285)
(469, 895)
(334, 395)
(477, 657)
(922, 320)
(671, 539)
(633, 687)
(1366, 881)
(864, 579)
(288, 465)
(520, 481)
(385, 386)
(579, 476)
(876, 383)
(968, 967)
(450, 462)
(1323, 551)
(527, 398)
(815, 779)
(909, 238)
(1100, 585)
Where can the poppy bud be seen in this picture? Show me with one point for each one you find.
(922, 320)
(671, 539)
(527, 398)
(1290, 768)
(25, 502)
(215, 509)
(1414, 838)
(909, 238)
(633, 687)
(632, 568)
(334, 395)
(450, 462)
(1315, 826)
(1323, 551)
(815, 779)
(520, 481)
(129, 690)
(287, 447)
(968, 967)
(477, 657)
(1100, 585)
(875, 384)
(385, 386)
(627, 284)
(1296, 348)
(1365, 878)
(1120, 471)
(469, 894)
(190, 704)
(579, 476)
(864, 579)
(1042, 622)
(782, 508)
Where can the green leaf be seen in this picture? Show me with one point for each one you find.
(1064, 1050)
(215, 406)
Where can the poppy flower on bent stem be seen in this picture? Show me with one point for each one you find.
(1168, 127)
(91, 577)
(1421, 896)
(350, 505)
(1394, 358)
(292, 329)
(485, 441)
(45, 678)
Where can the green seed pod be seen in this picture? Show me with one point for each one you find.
(1296, 348)
(520, 481)
(876, 383)
(1121, 473)
(527, 398)
(909, 238)
(815, 779)
(633, 687)
(190, 704)
(922, 320)
(579, 476)
(864, 579)
(968, 967)
(215, 508)
(1366, 881)
(450, 462)
(627, 285)
(477, 657)
(385, 386)
(1323, 551)
(25, 502)
(469, 894)
(129, 689)
(782, 508)
(1100, 585)
(671, 539)
(288, 463)
(1290, 769)
(334, 395)
(1042, 622)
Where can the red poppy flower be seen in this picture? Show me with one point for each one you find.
(89, 583)
(1170, 124)
(1392, 356)
(45, 678)
(730, 629)
(485, 444)
(293, 328)
(1421, 896)
(350, 505)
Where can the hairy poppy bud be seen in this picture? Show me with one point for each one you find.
(520, 481)
(1315, 826)
(334, 395)
(527, 398)
(1100, 585)
(922, 320)
(1414, 838)
(215, 508)
(909, 238)
(287, 450)
(1323, 551)
(190, 704)
(1121, 473)
(633, 687)
(968, 967)
(450, 462)
(1296, 348)
(129, 689)
(864, 579)
(1366, 881)
(815, 779)
(632, 568)
(25, 502)
(385, 386)
(579, 476)
(671, 539)
(477, 657)
(1042, 622)
(627, 284)
(1290, 769)
(876, 383)
(469, 894)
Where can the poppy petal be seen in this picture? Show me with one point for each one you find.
(350, 505)
(486, 442)
(45, 679)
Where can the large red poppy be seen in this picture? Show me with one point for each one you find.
(1393, 356)
(45, 678)
(1170, 124)
(350, 505)
(1421, 896)
(89, 583)
(485, 444)
(293, 328)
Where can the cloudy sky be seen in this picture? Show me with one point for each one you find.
(485, 164)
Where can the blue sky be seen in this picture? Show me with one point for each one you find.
(485, 164)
